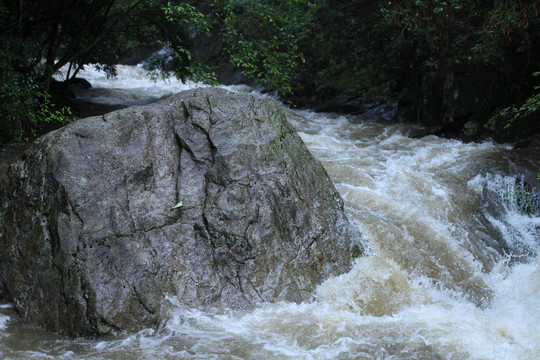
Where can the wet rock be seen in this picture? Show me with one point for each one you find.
(456, 101)
(208, 196)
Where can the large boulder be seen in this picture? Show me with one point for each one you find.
(208, 196)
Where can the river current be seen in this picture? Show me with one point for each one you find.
(451, 270)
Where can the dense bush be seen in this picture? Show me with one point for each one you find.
(445, 53)
(342, 52)
(260, 38)
(24, 106)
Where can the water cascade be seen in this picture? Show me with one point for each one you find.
(451, 270)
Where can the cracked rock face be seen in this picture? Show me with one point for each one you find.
(208, 196)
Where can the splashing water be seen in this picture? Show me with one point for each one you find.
(133, 85)
(440, 280)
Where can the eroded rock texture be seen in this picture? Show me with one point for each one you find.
(208, 196)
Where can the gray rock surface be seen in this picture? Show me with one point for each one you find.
(208, 196)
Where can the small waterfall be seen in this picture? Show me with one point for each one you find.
(512, 208)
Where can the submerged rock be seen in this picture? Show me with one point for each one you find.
(208, 196)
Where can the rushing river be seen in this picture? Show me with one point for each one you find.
(451, 270)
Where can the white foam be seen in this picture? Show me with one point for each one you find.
(4, 319)
(133, 85)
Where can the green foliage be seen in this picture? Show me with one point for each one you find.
(181, 59)
(39, 38)
(17, 93)
(506, 30)
(47, 113)
(463, 31)
(524, 199)
(262, 37)
(259, 37)
(188, 15)
(39, 112)
(429, 34)
(435, 47)
(529, 107)
(24, 107)
(341, 49)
